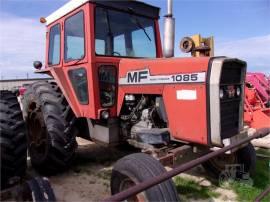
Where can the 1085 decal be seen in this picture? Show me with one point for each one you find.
(185, 77)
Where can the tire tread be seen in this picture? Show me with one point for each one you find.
(49, 98)
(13, 138)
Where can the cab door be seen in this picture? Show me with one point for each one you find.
(77, 63)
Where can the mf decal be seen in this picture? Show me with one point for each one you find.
(144, 77)
(137, 77)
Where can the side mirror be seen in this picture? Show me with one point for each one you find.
(37, 64)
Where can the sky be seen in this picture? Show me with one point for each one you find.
(241, 29)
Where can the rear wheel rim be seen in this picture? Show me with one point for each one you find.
(38, 137)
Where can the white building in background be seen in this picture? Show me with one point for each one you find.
(11, 84)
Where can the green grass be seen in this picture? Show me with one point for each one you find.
(189, 189)
(263, 152)
(261, 180)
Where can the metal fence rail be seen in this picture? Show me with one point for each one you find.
(181, 168)
(262, 195)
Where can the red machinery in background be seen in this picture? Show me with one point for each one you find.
(257, 100)
(262, 84)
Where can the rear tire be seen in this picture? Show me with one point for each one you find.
(12, 139)
(136, 168)
(37, 189)
(50, 123)
(245, 157)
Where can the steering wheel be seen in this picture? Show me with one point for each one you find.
(117, 53)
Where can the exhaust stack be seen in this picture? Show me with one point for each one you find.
(169, 31)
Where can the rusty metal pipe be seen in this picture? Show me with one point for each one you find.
(262, 195)
(182, 168)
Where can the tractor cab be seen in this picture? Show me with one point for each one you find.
(86, 41)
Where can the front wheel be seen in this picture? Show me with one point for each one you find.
(136, 168)
(239, 162)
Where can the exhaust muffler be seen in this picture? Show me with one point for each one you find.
(169, 31)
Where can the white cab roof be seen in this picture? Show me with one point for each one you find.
(67, 8)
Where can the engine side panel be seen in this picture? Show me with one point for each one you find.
(187, 115)
(185, 100)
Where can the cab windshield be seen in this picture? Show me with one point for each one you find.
(122, 34)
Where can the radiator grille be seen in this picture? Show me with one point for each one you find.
(230, 75)
(230, 107)
(229, 118)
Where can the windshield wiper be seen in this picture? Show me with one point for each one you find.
(141, 27)
(78, 60)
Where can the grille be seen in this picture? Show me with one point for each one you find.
(230, 75)
(229, 118)
(230, 107)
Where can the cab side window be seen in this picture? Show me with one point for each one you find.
(107, 85)
(79, 82)
(74, 37)
(54, 45)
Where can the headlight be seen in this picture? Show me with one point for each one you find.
(238, 91)
(105, 114)
(221, 93)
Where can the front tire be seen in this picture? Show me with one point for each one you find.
(51, 132)
(136, 168)
(12, 139)
(244, 157)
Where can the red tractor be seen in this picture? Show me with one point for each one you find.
(114, 84)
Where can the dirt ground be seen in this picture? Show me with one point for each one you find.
(89, 177)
